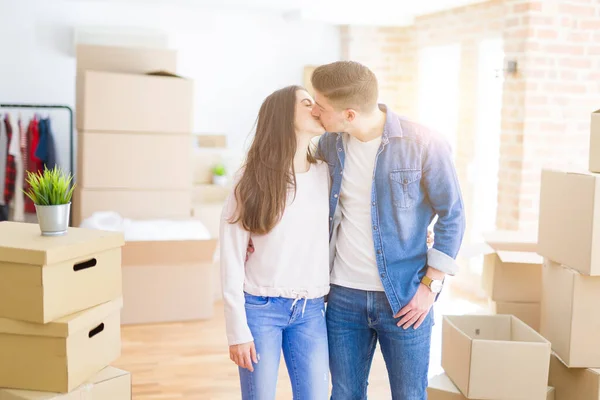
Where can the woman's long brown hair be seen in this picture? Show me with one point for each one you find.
(262, 191)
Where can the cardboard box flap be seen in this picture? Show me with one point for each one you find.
(23, 243)
(520, 257)
(169, 252)
(499, 327)
(164, 73)
(88, 319)
(511, 240)
(125, 59)
(442, 382)
(81, 393)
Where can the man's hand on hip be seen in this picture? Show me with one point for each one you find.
(415, 312)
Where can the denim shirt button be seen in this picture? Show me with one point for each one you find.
(379, 251)
(374, 227)
(383, 275)
(339, 149)
(335, 195)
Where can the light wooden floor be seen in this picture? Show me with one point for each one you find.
(190, 360)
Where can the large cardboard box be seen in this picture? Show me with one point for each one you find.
(530, 313)
(135, 103)
(595, 142)
(60, 355)
(137, 161)
(134, 60)
(109, 384)
(495, 357)
(570, 317)
(168, 281)
(569, 223)
(511, 276)
(503, 240)
(45, 278)
(135, 204)
(574, 383)
(441, 388)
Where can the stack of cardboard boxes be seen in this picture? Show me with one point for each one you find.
(512, 276)
(60, 303)
(135, 118)
(569, 240)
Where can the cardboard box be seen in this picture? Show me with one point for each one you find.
(441, 388)
(495, 357)
(168, 281)
(574, 383)
(60, 355)
(45, 278)
(569, 224)
(135, 103)
(212, 141)
(511, 276)
(135, 204)
(133, 60)
(109, 384)
(530, 313)
(570, 318)
(503, 240)
(204, 160)
(158, 162)
(595, 142)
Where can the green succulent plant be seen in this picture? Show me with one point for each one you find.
(51, 187)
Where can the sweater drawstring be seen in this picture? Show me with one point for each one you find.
(300, 296)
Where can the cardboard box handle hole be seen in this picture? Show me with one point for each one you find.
(96, 330)
(85, 265)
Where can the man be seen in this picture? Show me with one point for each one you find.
(390, 178)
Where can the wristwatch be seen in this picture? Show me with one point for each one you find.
(433, 284)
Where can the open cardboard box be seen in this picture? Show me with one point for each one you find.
(441, 388)
(495, 357)
(574, 383)
(511, 276)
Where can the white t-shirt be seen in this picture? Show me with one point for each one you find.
(355, 265)
(291, 261)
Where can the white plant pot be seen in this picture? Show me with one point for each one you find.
(219, 180)
(53, 220)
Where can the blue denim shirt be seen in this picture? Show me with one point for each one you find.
(414, 180)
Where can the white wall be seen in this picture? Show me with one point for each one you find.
(235, 57)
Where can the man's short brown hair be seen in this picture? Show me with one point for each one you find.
(347, 84)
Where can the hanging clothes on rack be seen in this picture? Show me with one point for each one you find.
(46, 150)
(34, 164)
(3, 155)
(15, 149)
(10, 173)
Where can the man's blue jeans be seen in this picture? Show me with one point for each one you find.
(356, 320)
(299, 329)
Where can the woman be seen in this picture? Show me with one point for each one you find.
(275, 300)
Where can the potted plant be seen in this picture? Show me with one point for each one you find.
(219, 173)
(51, 192)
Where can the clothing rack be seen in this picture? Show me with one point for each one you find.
(55, 107)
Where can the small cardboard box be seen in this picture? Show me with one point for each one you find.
(441, 388)
(569, 223)
(510, 276)
(135, 204)
(109, 384)
(158, 162)
(167, 281)
(595, 142)
(134, 60)
(530, 313)
(503, 240)
(570, 318)
(60, 355)
(120, 102)
(574, 383)
(46, 278)
(495, 357)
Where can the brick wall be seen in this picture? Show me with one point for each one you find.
(547, 104)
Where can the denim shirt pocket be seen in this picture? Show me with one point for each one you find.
(405, 187)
